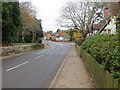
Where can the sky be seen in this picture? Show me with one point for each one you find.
(48, 11)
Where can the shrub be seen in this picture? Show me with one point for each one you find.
(79, 41)
(39, 40)
(9, 51)
(104, 49)
(54, 40)
(37, 46)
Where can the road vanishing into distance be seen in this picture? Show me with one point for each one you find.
(34, 69)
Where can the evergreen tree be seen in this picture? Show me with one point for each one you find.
(10, 21)
(0, 22)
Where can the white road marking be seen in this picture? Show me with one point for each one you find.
(17, 66)
(48, 52)
(61, 44)
(39, 56)
(53, 51)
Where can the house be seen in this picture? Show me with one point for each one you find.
(60, 38)
(111, 26)
(111, 10)
(60, 35)
(93, 29)
(49, 35)
(105, 26)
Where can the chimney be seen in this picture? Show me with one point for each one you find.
(106, 12)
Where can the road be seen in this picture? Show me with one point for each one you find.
(35, 69)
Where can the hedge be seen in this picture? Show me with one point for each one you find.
(104, 49)
(102, 78)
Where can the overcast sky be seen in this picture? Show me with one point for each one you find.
(48, 11)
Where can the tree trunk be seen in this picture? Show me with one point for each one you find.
(33, 37)
(23, 37)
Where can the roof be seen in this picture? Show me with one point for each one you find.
(99, 25)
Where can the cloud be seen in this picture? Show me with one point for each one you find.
(48, 11)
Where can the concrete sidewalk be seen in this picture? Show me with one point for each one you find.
(73, 73)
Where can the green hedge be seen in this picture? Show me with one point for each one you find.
(102, 78)
(104, 49)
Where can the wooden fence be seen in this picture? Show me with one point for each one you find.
(101, 77)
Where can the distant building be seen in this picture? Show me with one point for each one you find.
(60, 35)
(49, 35)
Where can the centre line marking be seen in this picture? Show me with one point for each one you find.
(39, 56)
(17, 66)
(48, 52)
(61, 44)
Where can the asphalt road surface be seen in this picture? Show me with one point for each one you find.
(36, 69)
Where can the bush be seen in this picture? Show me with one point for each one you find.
(54, 40)
(37, 46)
(104, 49)
(39, 40)
(79, 42)
(9, 51)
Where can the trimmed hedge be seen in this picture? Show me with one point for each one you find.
(104, 49)
(102, 78)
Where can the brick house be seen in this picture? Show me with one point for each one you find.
(49, 35)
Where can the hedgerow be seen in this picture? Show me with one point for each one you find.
(104, 49)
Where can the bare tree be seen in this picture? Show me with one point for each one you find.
(81, 15)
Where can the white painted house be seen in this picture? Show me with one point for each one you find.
(105, 26)
(111, 27)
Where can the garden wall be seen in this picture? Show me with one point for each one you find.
(101, 77)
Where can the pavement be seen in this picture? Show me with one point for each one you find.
(73, 73)
(35, 69)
